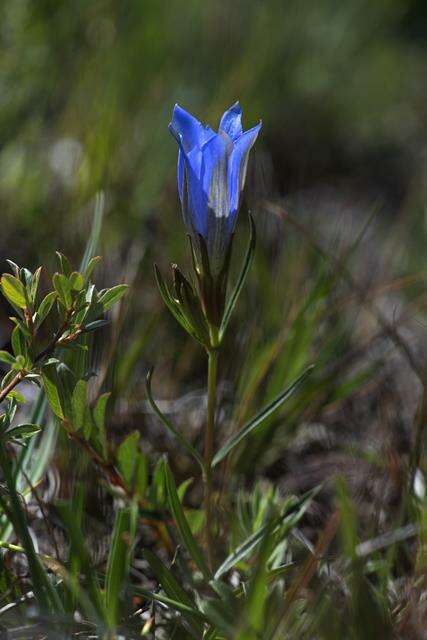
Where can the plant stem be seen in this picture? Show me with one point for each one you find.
(209, 442)
(12, 384)
(43, 354)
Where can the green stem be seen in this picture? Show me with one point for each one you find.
(17, 549)
(209, 444)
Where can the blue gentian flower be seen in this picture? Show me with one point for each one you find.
(211, 176)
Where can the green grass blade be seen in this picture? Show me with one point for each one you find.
(34, 456)
(287, 520)
(187, 537)
(95, 231)
(241, 552)
(220, 616)
(169, 426)
(42, 586)
(79, 551)
(173, 590)
(260, 417)
(170, 602)
(253, 615)
(119, 561)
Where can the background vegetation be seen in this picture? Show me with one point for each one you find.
(337, 187)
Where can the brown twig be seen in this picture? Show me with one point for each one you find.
(12, 384)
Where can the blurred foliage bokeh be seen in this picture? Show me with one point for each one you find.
(87, 90)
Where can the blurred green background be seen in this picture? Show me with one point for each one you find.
(87, 89)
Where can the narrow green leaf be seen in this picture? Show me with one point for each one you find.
(183, 441)
(63, 289)
(96, 324)
(127, 459)
(42, 586)
(100, 409)
(45, 307)
(109, 297)
(213, 634)
(79, 404)
(253, 617)
(23, 327)
(14, 267)
(95, 231)
(63, 263)
(292, 513)
(92, 264)
(174, 590)
(16, 395)
(182, 489)
(35, 283)
(242, 551)
(77, 281)
(23, 431)
(119, 561)
(99, 419)
(14, 290)
(78, 552)
(260, 417)
(174, 307)
(26, 277)
(7, 357)
(157, 493)
(220, 616)
(8, 378)
(170, 602)
(19, 344)
(141, 475)
(133, 465)
(242, 278)
(187, 537)
(51, 386)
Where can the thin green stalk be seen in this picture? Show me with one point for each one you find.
(18, 549)
(209, 444)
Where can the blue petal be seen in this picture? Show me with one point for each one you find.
(180, 166)
(215, 155)
(180, 175)
(196, 218)
(194, 155)
(231, 121)
(194, 202)
(186, 126)
(237, 168)
(192, 132)
(206, 171)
